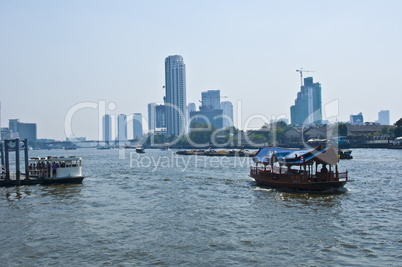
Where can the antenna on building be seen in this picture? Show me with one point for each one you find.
(301, 74)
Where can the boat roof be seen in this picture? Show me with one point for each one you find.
(49, 158)
(268, 154)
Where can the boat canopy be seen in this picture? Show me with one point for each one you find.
(267, 155)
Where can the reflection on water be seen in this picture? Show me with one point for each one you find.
(216, 215)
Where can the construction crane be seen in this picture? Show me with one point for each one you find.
(301, 74)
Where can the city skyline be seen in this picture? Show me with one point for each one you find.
(354, 52)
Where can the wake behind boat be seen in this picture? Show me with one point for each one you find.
(298, 169)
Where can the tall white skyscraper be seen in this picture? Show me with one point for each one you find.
(227, 108)
(383, 117)
(107, 128)
(151, 117)
(121, 128)
(137, 126)
(175, 95)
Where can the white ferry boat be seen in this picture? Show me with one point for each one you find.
(56, 170)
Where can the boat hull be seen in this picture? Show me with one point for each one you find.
(296, 184)
(67, 180)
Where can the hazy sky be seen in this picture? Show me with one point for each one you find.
(57, 54)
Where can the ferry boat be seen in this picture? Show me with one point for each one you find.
(56, 170)
(298, 169)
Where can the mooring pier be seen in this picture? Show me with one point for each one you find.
(6, 178)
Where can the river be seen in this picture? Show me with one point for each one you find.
(161, 209)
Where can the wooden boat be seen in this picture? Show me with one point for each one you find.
(298, 169)
(56, 170)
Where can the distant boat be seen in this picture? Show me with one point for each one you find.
(345, 154)
(139, 149)
(103, 147)
(298, 169)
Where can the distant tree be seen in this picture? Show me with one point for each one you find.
(384, 130)
(398, 128)
(201, 134)
(341, 129)
(258, 138)
(278, 134)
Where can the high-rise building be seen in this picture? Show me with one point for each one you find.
(227, 108)
(307, 107)
(13, 125)
(27, 131)
(107, 128)
(121, 128)
(356, 119)
(151, 117)
(212, 117)
(137, 126)
(383, 117)
(191, 108)
(211, 99)
(160, 112)
(21, 130)
(175, 95)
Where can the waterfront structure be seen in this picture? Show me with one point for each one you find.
(211, 99)
(175, 95)
(137, 126)
(383, 117)
(356, 119)
(107, 128)
(121, 128)
(227, 111)
(17, 129)
(307, 107)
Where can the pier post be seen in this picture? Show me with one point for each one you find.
(25, 141)
(7, 159)
(2, 154)
(17, 161)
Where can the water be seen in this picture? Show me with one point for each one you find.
(208, 214)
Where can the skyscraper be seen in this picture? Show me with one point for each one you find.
(227, 108)
(160, 112)
(190, 108)
(107, 128)
(307, 107)
(121, 128)
(151, 117)
(211, 99)
(383, 117)
(137, 126)
(357, 119)
(175, 95)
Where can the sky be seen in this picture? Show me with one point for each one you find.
(63, 61)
